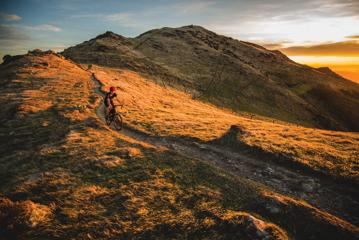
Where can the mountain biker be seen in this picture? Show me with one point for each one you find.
(109, 100)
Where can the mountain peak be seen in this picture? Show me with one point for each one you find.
(190, 28)
(171, 30)
(109, 34)
(196, 27)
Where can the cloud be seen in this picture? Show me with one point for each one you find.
(9, 17)
(343, 49)
(296, 20)
(192, 7)
(12, 40)
(44, 27)
(87, 16)
(272, 45)
(11, 32)
(58, 48)
(353, 37)
(119, 17)
(124, 19)
(344, 7)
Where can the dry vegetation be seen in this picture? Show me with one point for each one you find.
(229, 73)
(167, 112)
(66, 175)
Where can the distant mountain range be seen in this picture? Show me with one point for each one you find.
(230, 73)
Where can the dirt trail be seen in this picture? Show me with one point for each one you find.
(321, 193)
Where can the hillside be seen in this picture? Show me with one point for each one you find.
(66, 175)
(229, 73)
(165, 112)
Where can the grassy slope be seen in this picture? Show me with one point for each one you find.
(230, 73)
(168, 112)
(65, 174)
(196, 52)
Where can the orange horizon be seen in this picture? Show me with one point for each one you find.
(347, 67)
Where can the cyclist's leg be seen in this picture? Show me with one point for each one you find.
(107, 111)
(112, 112)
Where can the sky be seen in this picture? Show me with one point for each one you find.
(317, 32)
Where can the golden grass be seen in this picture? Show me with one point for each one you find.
(167, 112)
(94, 183)
(86, 181)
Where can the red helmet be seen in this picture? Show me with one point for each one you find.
(112, 89)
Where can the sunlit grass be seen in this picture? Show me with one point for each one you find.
(66, 175)
(167, 112)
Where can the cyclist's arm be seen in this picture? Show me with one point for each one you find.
(118, 100)
(112, 103)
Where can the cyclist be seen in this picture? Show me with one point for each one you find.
(109, 100)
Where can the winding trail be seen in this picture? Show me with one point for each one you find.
(322, 193)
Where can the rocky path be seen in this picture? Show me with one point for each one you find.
(321, 193)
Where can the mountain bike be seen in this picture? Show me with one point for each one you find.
(114, 118)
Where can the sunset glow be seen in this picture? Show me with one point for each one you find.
(347, 67)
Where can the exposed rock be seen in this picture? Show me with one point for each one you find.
(309, 185)
(273, 207)
(231, 136)
(8, 58)
(269, 171)
(258, 227)
(35, 52)
(109, 34)
(274, 210)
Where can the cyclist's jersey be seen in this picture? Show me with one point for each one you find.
(108, 99)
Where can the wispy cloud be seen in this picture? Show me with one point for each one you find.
(12, 32)
(342, 49)
(298, 21)
(9, 17)
(87, 15)
(192, 7)
(44, 27)
(125, 19)
(122, 18)
(12, 40)
(274, 44)
(353, 37)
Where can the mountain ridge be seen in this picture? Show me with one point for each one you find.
(230, 73)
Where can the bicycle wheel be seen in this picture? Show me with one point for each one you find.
(108, 119)
(118, 122)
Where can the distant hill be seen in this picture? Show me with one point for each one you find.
(234, 74)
